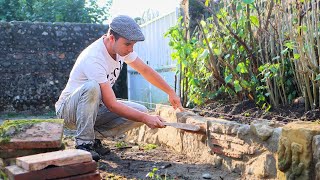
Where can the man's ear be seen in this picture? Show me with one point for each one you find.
(112, 38)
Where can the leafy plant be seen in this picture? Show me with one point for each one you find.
(149, 147)
(121, 144)
(266, 51)
(54, 11)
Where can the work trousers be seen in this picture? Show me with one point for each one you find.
(83, 110)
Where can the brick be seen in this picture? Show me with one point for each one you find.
(90, 176)
(56, 158)
(17, 173)
(12, 153)
(228, 138)
(238, 148)
(246, 148)
(226, 152)
(39, 135)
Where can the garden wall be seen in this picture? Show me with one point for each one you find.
(261, 150)
(36, 59)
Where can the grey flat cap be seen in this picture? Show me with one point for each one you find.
(126, 27)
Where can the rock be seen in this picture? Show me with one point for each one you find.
(243, 130)
(261, 129)
(263, 167)
(295, 150)
(217, 161)
(316, 154)
(206, 176)
(273, 141)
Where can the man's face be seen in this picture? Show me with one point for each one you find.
(123, 46)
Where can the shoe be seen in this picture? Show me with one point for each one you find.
(89, 148)
(99, 148)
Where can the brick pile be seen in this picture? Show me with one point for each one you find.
(29, 138)
(71, 164)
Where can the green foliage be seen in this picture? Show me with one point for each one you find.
(121, 144)
(3, 175)
(149, 147)
(154, 175)
(249, 49)
(81, 11)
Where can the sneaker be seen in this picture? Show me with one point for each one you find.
(99, 148)
(89, 148)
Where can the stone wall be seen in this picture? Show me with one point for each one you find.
(36, 59)
(261, 150)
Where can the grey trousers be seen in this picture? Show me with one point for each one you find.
(83, 110)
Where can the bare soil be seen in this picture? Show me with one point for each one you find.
(129, 160)
(247, 111)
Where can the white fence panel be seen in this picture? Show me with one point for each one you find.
(156, 52)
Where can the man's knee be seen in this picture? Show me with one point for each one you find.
(140, 108)
(92, 88)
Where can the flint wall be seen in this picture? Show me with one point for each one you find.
(36, 59)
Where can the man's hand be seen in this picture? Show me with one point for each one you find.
(153, 121)
(175, 102)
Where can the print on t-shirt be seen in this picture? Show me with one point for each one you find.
(113, 76)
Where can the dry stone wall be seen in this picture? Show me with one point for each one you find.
(261, 150)
(36, 59)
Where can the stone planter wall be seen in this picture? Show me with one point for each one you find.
(36, 59)
(262, 150)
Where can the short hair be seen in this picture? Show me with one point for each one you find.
(116, 35)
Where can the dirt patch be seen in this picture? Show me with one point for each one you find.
(129, 160)
(245, 112)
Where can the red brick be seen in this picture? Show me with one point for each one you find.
(18, 173)
(12, 153)
(56, 158)
(225, 152)
(40, 135)
(90, 176)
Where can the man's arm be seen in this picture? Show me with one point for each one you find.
(154, 78)
(109, 99)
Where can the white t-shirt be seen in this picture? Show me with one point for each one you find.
(94, 63)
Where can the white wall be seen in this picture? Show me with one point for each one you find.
(156, 52)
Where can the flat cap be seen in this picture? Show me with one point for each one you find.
(126, 27)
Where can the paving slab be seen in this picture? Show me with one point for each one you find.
(31, 134)
(17, 173)
(56, 158)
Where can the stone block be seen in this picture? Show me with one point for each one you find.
(56, 158)
(264, 166)
(222, 126)
(295, 154)
(316, 155)
(31, 134)
(17, 173)
(261, 129)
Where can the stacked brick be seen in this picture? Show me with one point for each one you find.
(71, 164)
(26, 137)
